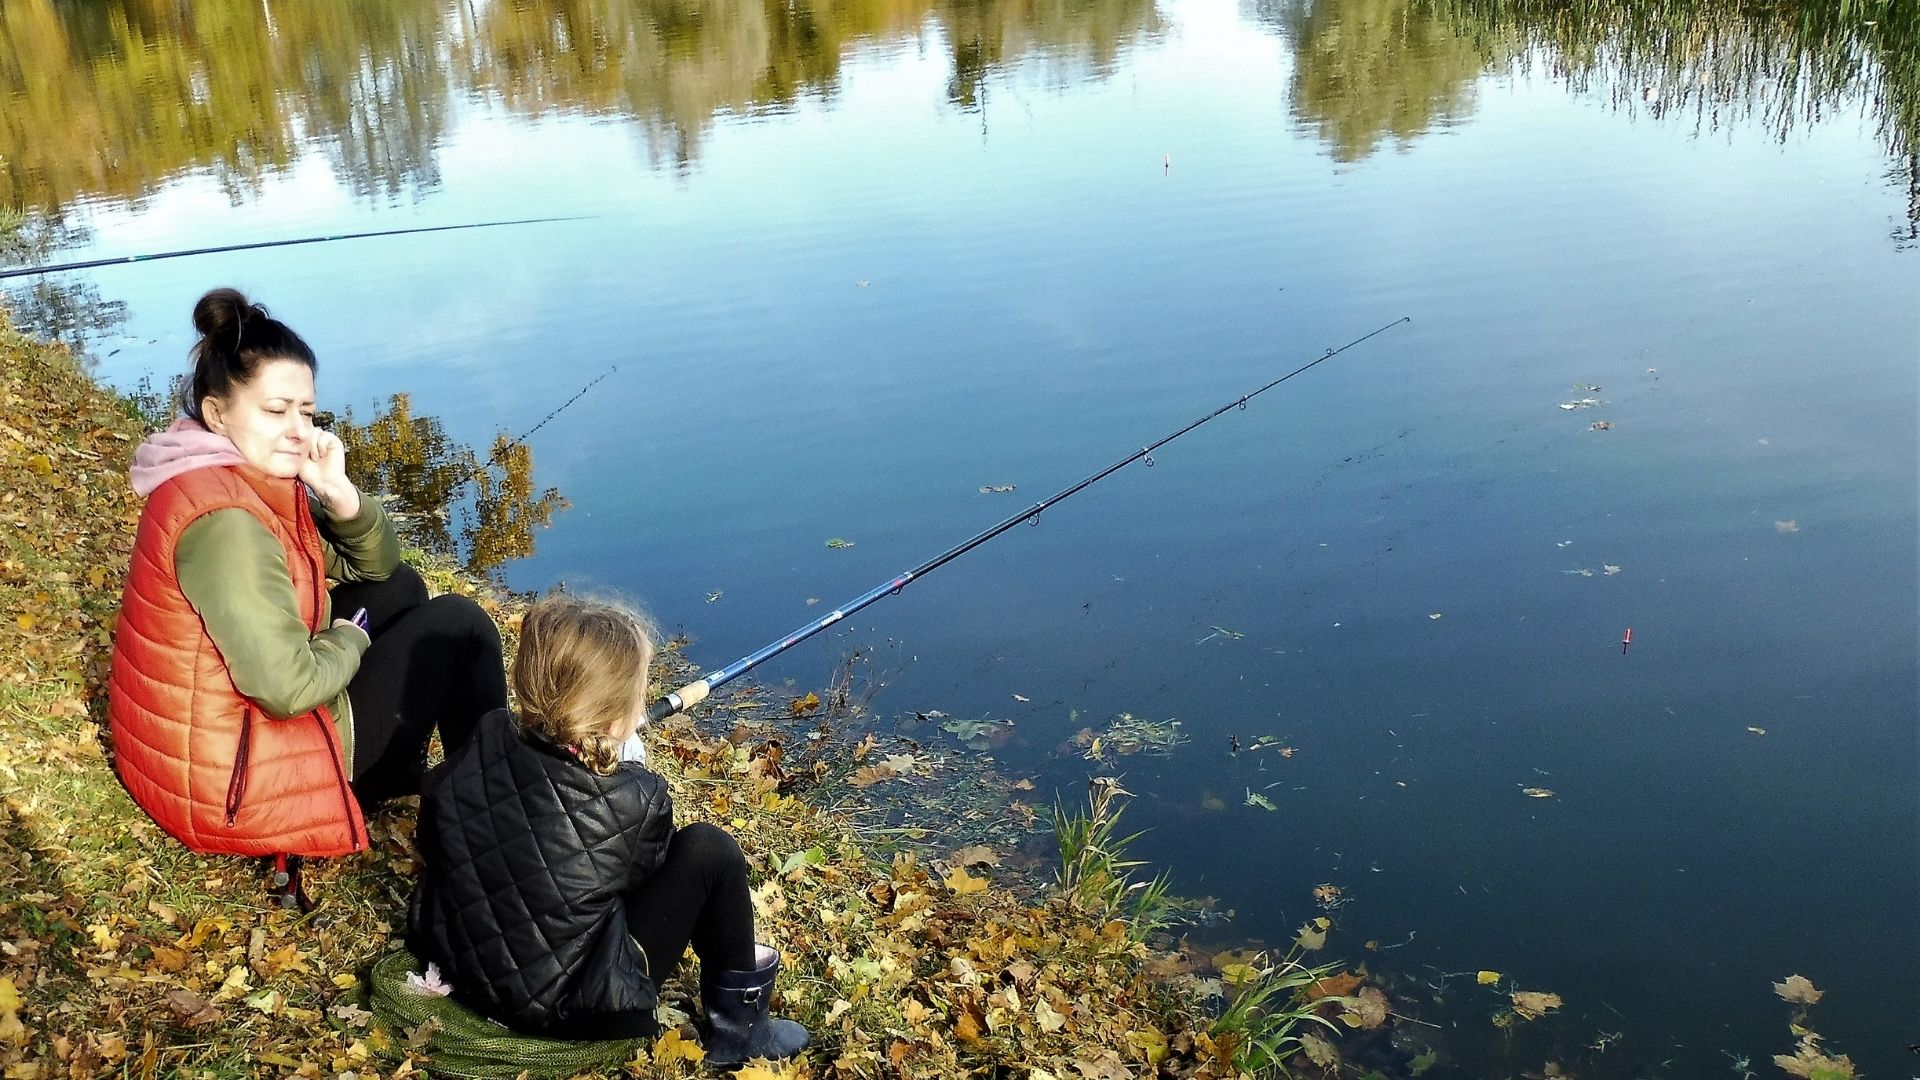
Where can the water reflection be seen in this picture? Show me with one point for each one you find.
(1366, 71)
(114, 99)
(68, 311)
(1369, 71)
(421, 471)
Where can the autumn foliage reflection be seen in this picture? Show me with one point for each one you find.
(116, 98)
(1369, 72)
(410, 460)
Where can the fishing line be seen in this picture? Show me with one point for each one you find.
(25, 271)
(520, 440)
(695, 692)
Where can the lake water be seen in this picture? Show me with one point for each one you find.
(854, 262)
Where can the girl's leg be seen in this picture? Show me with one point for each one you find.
(698, 896)
(434, 665)
(385, 601)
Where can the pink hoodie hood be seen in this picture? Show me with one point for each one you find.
(182, 448)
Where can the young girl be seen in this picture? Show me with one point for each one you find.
(555, 893)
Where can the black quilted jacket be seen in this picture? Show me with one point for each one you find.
(526, 853)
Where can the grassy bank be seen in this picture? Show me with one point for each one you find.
(124, 953)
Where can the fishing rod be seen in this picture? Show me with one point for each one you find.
(695, 692)
(520, 439)
(25, 271)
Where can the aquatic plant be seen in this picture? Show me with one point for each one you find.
(1095, 874)
(1270, 1017)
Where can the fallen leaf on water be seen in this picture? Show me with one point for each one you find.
(1787, 526)
(1327, 893)
(1603, 425)
(1533, 1004)
(1537, 792)
(1814, 1063)
(714, 596)
(1366, 1010)
(1021, 697)
(1332, 986)
(837, 542)
(1798, 989)
(1757, 730)
(1254, 798)
(1487, 978)
(1313, 935)
(963, 883)
(869, 775)
(804, 705)
(1609, 569)
(1319, 1050)
(976, 855)
(995, 489)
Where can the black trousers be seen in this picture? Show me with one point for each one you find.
(698, 896)
(434, 663)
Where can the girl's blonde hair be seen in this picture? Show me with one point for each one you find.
(581, 669)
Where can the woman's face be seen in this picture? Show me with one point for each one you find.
(270, 418)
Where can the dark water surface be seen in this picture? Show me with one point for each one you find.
(854, 262)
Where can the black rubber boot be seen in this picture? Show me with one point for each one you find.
(738, 1027)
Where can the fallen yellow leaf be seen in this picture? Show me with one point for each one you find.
(671, 1048)
(1487, 978)
(963, 883)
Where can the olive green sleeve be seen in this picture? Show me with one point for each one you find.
(360, 548)
(234, 573)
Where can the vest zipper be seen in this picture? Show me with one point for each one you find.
(237, 784)
(339, 774)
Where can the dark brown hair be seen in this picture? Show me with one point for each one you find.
(236, 337)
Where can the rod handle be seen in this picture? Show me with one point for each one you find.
(678, 701)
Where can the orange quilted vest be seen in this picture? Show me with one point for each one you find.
(213, 770)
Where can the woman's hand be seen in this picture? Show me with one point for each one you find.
(325, 472)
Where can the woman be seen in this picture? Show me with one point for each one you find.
(246, 718)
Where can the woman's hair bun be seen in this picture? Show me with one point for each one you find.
(236, 336)
(221, 310)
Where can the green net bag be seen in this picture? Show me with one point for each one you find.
(461, 1042)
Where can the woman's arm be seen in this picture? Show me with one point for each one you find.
(363, 547)
(234, 573)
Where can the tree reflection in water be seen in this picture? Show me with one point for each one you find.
(1368, 71)
(410, 460)
(116, 98)
(68, 311)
